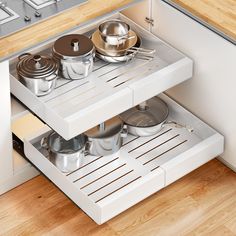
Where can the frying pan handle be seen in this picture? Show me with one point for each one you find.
(178, 125)
(44, 143)
(124, 132)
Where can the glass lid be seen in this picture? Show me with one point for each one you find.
(150, 113)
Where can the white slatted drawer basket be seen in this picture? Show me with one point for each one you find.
(76, 106)
(105, 186)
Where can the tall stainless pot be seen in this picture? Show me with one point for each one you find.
(66, 155)
(106, 138)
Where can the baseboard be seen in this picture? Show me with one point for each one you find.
(18, 178)
(233, 168)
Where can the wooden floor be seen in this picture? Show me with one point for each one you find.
(202, 203)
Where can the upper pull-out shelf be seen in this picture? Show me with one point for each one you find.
(76, 106)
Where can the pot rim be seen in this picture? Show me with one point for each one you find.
(114, 35)
(72, 59)
(62, 152)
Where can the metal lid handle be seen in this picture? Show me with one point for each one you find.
(75, 45)
(37, 59)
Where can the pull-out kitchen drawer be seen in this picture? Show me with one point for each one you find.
(107, 185)
(76, 106)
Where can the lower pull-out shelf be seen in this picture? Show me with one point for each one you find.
(76, 106)
(107, 185)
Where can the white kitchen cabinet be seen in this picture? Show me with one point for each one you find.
(139, 13)
(106, 186)
(6, 162)
(211, 92)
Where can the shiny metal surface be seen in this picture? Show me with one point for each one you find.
(6, 14)
(66, 155)
(34, 10)
(114, 32)
(149, 117)
(118, 59)
(146, 119)
(111, 50)
(38, 73)
(106, 138)
(74, 54)
(39, 4)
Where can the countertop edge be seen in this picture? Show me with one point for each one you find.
(201, 21)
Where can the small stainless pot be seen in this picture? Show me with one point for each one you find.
(38, 73)
(149, 118)
(67, 156)
(106, 138)
(115, 32)
(75, 54)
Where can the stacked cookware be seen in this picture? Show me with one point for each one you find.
(115, 42)
(73, 58)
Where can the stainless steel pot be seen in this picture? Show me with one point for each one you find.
(149, 118)
(38, 73)
(66, 155)
(106, 138)
(115, 32)
(75, 54)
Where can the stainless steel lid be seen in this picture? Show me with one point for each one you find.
(57, 144)
(148, 114)
(107, 129)
(36, 66)
(73, 46)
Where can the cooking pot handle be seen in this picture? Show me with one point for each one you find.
(44, 143)
(24, 55)
(178, 125)
(87, 147)
(124, 132)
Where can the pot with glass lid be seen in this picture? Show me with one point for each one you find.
(149, 117)
(75, 54)
(38, 73)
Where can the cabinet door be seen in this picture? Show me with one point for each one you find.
(211, 91)
(139, 12)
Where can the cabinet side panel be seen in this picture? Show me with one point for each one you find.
(6, 163)
(211, 92)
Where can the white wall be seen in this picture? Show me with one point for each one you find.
(211, 94)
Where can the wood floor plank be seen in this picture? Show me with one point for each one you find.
(201, 203)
